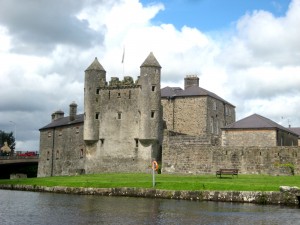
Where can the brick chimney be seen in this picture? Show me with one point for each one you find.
(191, 80)
(73, 111)
(57, 115)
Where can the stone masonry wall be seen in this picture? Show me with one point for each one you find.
(258, 137)
(175, 113)
(190, 157)
(62, 151)
(201, 115)
(249, 138)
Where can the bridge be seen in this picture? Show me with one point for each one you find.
(18, 159)
(18, 164)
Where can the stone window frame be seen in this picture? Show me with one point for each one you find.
(97, 116)
(119, 115)
(136, 142)
(212, 124)
(214, 105)
(81, 153)
(57, 154)
(153, 114)
(153, 88)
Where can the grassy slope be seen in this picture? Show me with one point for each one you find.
(169, 182)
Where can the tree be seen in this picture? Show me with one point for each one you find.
(9, 138)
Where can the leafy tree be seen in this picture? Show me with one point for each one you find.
(9, 138)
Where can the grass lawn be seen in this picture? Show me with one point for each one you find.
(168, 182)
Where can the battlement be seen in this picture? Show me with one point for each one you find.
(116, 83)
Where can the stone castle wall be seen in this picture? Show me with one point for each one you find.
(258, 137)
(187, 155)
(249, 138)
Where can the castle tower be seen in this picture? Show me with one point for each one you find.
(149, 99)
(95, 77)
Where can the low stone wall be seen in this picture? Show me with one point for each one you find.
(185, 155)
(285, 198)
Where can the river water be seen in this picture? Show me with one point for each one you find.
(18, 207)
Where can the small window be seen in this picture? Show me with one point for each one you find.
(214, 105)
(49, 134)
(119, 95)
(97, 91)
(102, 141)
(57, 154)
(136, 142)
(48, 155)
(212, 125)
(77, 130)
(97, 116)
(119, 115)
(153, 87)
(108, 94)
(81, 153)
(152, 114)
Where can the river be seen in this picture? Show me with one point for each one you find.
(19, 207)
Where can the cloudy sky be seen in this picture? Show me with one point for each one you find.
(247, 52)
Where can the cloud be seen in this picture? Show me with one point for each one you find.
(36, 27)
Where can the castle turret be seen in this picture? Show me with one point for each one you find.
(95, 77)
(73, 111)
(149, 98)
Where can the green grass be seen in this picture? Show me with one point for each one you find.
(168, 182)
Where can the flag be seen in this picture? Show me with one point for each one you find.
(123, 55)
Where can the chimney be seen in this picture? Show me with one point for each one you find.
(191, 80)
(53, 116)
(57, 115)
(73, 111)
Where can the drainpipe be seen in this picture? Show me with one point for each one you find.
(52, 153)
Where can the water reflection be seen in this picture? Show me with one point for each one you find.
(46, 208)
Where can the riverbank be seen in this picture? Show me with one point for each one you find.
(257, 197)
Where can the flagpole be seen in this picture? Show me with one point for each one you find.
(123, 62)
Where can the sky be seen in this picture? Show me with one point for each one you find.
(247, 52)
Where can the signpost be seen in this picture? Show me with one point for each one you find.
(154, 168)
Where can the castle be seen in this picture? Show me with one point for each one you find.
(125, 122)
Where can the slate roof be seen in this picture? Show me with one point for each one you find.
(256, 121)
(95, 65)
(151, 61)
(295, 130)
(173, 92)
(65, 121)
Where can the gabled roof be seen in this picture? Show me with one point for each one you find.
(256, 121)
(172, 92)
(95, 65)
(64, 121)
(151, 61)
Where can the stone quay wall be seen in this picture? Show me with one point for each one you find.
(187, 155)
(283, 198)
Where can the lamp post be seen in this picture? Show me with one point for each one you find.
(15, 134)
